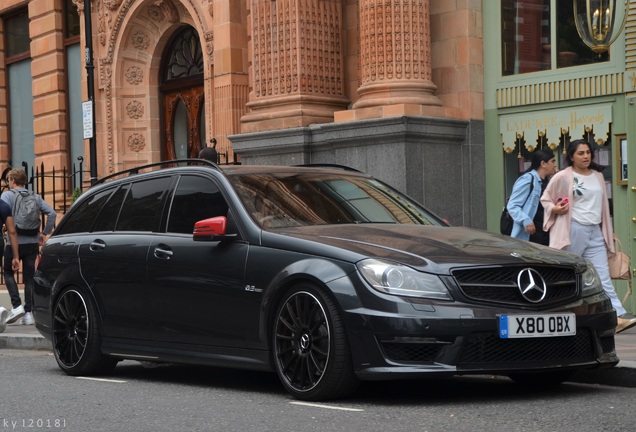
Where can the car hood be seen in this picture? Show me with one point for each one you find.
(429, 248)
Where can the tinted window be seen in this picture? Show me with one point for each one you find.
(108, 216)
(143, 205)
(81, 219)
(195, 199)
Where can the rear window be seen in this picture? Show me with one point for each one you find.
(82, 215)
(143, 205)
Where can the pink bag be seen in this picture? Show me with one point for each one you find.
(619, 262)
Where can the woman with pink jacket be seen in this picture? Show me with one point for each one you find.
(578, 217)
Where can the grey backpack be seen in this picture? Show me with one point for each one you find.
(26, 213)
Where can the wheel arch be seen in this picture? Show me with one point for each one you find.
(315, 271)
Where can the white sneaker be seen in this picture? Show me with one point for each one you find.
(27, 319)
(16, 314)
(4, 313)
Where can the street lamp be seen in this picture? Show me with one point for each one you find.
(596, 22)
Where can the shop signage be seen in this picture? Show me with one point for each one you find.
(552, 123)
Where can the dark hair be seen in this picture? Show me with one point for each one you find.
(543, 155)
(574, 145)
(208, 153)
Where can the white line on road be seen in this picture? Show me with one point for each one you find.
(102, 379)
(326, 406)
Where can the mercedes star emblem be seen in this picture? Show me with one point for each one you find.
(531, 285)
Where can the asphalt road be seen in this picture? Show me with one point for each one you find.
(36, 395)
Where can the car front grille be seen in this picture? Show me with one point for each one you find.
(498, 285)
(488, 348)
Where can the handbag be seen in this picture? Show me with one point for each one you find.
(619, 262)
(506, 221)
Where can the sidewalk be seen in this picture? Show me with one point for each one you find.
(21, 337)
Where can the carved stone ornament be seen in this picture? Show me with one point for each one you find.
(155, 13)
(136, 142)
(162, 9)
(105, 75)
(140, 40)
(134, 75)
(112, 4)
(135, 109)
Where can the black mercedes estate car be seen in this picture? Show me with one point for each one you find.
(322, 274)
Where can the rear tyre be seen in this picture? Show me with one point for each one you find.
(542, 379)
(311, 352)
(76, 336)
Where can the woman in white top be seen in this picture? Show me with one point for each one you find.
(578, 218)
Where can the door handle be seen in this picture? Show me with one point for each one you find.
(162, 253)
(96, 245)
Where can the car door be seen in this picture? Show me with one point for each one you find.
(197, 288)
(113, 257)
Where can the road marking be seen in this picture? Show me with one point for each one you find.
(102, 379)
(326, 406)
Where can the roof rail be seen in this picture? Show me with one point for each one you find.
(135, 170)
(327, 165)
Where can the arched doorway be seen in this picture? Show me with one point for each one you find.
(182, 97)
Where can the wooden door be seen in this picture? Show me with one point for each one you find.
(184, 123)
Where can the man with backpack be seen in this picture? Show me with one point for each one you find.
(26, 208)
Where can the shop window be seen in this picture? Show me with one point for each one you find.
(540, 35)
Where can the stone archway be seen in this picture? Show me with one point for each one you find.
(132, 38)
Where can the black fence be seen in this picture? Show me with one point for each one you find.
(58, 187)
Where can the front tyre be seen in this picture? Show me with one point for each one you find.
(76, 336)
(311, 352)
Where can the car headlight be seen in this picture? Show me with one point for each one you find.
(396, 279)
(591, 281)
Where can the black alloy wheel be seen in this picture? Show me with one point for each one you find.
(311, 352)
(76, 339)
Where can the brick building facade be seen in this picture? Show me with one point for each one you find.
(391, 88)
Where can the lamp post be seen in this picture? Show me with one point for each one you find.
(88, 55)
(596, 22)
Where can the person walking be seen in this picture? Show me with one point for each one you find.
(29, 242)
(7, 220)
(577, 215)
(526, 192)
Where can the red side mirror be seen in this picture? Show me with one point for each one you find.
(206, 229)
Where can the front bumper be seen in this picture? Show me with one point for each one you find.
(460, 339)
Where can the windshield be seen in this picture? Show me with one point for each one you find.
(298, 199)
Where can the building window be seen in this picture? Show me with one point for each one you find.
(71, 18)
(74, 83)
(540, 35)
(17, 34)
(19, 83)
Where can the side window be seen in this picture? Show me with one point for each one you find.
(82, 218)
(108, 216)
(143, 205)
(196, 198)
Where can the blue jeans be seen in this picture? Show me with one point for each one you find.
(588, 241)
(28, 253)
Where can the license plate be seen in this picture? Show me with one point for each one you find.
(531, 326)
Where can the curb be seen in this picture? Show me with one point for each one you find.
(621, 375)
(24, 341)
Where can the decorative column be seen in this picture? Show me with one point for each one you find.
(395, 58)
(297, 63)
